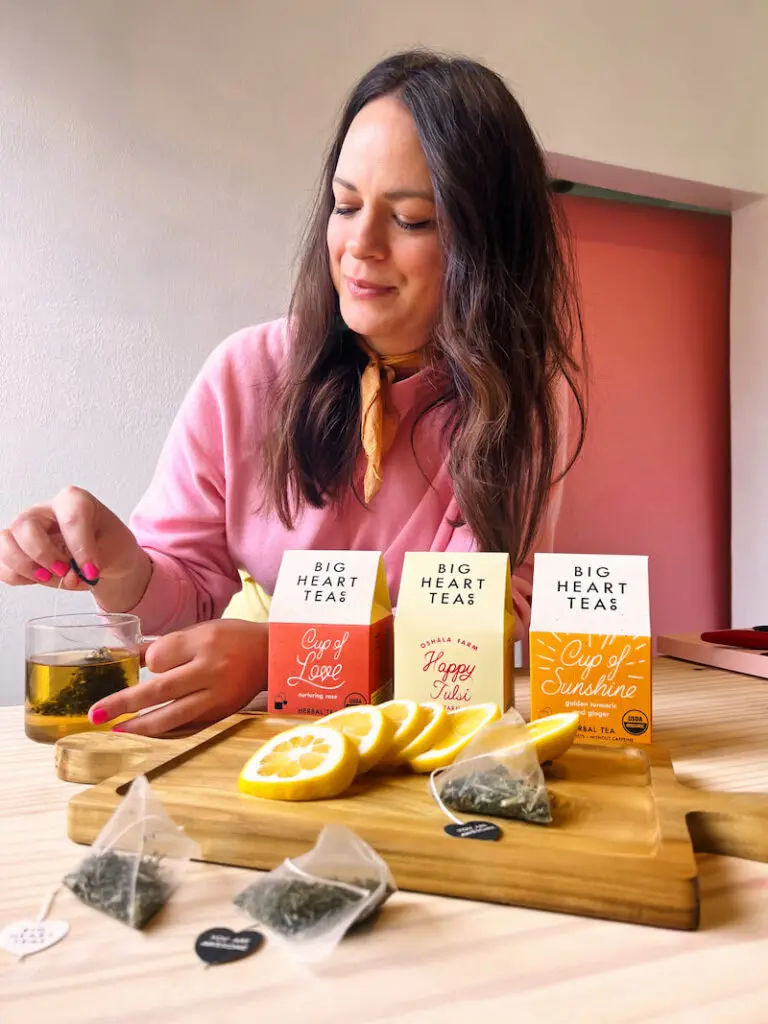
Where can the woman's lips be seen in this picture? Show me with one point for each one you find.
(360, 289)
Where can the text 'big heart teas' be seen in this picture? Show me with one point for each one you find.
(330, 632)
(454, 629)
(590, 644)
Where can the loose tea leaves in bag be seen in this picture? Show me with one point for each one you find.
(498, 775)
(494, 790)
(310, 902)
(293, 903)
(106, 882)
(98, 674)
(136, 862)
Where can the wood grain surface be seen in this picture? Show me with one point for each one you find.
(428, 959)
(618, 846)
(91, 757)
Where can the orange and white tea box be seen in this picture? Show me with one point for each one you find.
(330, 632)
(590, 644)
(454, 629)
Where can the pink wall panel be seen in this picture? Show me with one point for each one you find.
(653, 477)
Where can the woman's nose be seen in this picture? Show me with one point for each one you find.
(367, 240)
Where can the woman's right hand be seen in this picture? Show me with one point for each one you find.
(40, 543)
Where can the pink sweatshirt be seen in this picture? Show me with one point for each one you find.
(197, 520)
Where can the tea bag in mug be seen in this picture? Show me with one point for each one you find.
(497, 775)
(308, 903)
(136, 862)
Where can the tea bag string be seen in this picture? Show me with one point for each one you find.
(433, 787)
(75, 640)
(48, 903)
(436, 795)
(44, 911)
(56, 596)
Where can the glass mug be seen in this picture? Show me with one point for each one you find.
(73, 661)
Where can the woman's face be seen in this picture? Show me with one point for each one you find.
(385, 253)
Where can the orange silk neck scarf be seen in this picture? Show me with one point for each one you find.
(379, 420)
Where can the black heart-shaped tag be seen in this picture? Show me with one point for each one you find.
(223, 946)
(474, 830)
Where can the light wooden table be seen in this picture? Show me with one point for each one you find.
(428, 959)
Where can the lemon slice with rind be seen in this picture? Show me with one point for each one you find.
(553, 735)
(409, 718)
(370, 730)
(463, 724)
(436, 726)
(308, 762)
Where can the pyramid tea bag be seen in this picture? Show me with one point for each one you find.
(136, 862)
(497, 775)
(310, 902)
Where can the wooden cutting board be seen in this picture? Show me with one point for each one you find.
(91, 757)
(621, 845)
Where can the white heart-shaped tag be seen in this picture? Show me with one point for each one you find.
(22, 938)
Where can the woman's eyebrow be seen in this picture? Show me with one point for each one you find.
(400, 193)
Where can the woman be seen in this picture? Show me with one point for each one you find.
(413, 399)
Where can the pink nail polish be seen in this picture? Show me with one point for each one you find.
(98, 716)
(42, 575)
(90, 571)
(60, 568)
(117, 728)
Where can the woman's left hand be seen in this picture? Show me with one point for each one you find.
(201, 675)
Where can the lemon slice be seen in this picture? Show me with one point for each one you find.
(369, 729)
(409, 718)
(436, 725)
(553, 735)
(308, 762)
(463, 724)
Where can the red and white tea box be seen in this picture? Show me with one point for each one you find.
(330, 632)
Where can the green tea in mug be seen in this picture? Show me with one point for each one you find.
(72, 662)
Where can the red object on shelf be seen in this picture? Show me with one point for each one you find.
(754, 639)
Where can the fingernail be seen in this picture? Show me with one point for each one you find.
(117, 728)
(60, 568)
(90, 572)
(42, 574)
(98, 716)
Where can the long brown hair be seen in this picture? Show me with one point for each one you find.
(507, 333)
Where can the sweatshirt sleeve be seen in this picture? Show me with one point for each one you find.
(181, 520)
